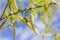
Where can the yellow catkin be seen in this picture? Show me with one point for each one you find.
(15, 4)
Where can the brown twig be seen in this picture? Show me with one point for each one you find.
(4, 10)
(2, 23)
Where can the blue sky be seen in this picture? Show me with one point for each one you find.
(23, 32)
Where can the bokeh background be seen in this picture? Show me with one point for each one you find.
(23, 32)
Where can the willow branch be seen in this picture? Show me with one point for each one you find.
(19, 10)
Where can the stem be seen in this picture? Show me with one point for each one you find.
(2, 23)
(4, 10)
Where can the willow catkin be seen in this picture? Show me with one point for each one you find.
(10, 4)
(15, 4)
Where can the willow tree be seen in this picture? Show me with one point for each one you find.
(44, 9)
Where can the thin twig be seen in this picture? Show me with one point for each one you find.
(4, 10)
(2, 23)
